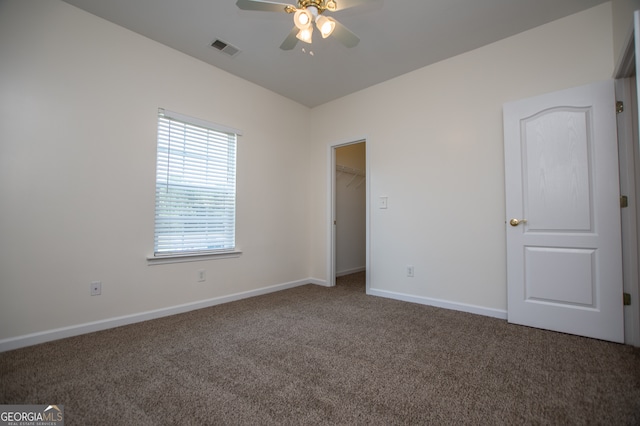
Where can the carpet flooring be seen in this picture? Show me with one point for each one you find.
(314, 355)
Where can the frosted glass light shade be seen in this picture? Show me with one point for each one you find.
(305, 34)
(325, 25)
(302, 19)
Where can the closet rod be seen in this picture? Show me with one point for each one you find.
(349, 170)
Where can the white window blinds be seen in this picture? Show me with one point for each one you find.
(195, 186)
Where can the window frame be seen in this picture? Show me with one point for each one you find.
(162, 257)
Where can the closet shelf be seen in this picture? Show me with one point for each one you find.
(350, 170)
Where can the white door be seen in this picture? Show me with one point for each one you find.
(564, 258)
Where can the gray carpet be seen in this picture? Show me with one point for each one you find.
(315, 355)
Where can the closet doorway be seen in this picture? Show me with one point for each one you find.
(349, 211)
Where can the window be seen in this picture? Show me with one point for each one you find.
(195, 186)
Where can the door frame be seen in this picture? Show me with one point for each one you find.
(626, 85)
(331, 245)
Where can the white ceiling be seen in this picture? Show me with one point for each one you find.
(397, 36)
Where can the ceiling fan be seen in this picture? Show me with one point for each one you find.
(305, 13)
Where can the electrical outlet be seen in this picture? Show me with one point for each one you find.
(410, 271)
(202, 276)
(96, 288)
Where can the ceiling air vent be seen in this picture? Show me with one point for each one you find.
(225, 47)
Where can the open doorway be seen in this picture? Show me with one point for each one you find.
(349, 215)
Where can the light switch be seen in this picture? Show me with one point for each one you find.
(383, 202)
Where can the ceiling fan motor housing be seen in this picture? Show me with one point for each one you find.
(318, 4)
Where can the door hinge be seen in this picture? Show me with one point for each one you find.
(626, 299)
(619, 107)
(624, 201)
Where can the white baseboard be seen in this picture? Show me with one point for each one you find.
(318, 281)
(76, 330)
(90, 327)
(463, 307)
(350, 271)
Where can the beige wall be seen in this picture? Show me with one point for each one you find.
(435, 149)
(622, 11)
(78, 115)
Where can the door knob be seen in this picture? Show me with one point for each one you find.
(516, 222)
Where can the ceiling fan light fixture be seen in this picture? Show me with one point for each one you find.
(302, 19)
(325, 25)
(331, 5)
(305, 34)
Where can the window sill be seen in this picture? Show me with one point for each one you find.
(180, 258)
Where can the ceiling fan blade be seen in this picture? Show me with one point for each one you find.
(265, 6)
(346, 4)
(345, 36)
(291, 40)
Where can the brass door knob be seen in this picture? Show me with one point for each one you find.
(516, 222)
